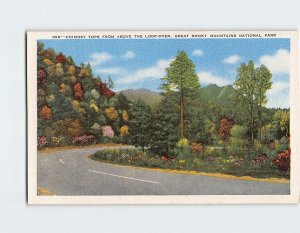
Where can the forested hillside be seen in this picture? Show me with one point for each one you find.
(74, 106)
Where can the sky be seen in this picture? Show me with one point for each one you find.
(141, 63)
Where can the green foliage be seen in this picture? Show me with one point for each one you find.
(140, 123)
(181, 81)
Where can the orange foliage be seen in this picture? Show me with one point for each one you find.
(124, 130)
(45, 112)
(78, 91)
(225, 127)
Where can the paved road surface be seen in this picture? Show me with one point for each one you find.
(71, 172)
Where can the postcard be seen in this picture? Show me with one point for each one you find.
(163, 117)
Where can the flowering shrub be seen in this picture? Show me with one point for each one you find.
(283, 160)
(183, 142)
(107, 131)
(209, 150)
(124, 115)
(83, 139)
(124, 130)
(111, 113)
(42, 140)
(261, 159)
(197, 148)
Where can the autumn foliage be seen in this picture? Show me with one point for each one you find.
(124, 130)
(197, 148)
(104, 90)
(225, 127)
(41, 76)
(45, 112)
(60, 58)
(78, 91)
(111, 113)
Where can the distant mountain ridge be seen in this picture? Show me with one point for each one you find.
(211, 93)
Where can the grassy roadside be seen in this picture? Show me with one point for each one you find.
(193, 172)
(54, 149)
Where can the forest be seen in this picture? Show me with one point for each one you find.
(187, 127)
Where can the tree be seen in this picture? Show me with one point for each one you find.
(263, 83)
(251, 86)
(110, 83)
(224, 131)
(140, 123)
(181, 81)
(164, 135)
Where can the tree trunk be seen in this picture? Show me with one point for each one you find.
(181, 118)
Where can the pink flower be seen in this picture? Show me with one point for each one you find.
(42, 140)
(107, 131)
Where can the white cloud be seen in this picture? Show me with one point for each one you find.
(278, 95)
(99, 58)
(232, 59)
(278, 62)
(197, 53)
(278, 87)
(209, 78)
(128, 55)
(153, 72)
(112, 70)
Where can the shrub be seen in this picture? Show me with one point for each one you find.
(282, 161)
(197, 148)
(260, 160)
(83, 139)
(42, 140)
(183, 142)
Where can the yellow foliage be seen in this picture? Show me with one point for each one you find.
(75, 104)
(48, 62)
(73, 79)
(124, 115)
(71, 70)
(95, 107)
(124, 130)
(111, 113)
(84, 73)
(63, 88)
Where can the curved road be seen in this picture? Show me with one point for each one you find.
(71, 172)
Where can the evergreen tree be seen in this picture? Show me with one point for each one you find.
(140, 123)
(181, 82)
(164, 134)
